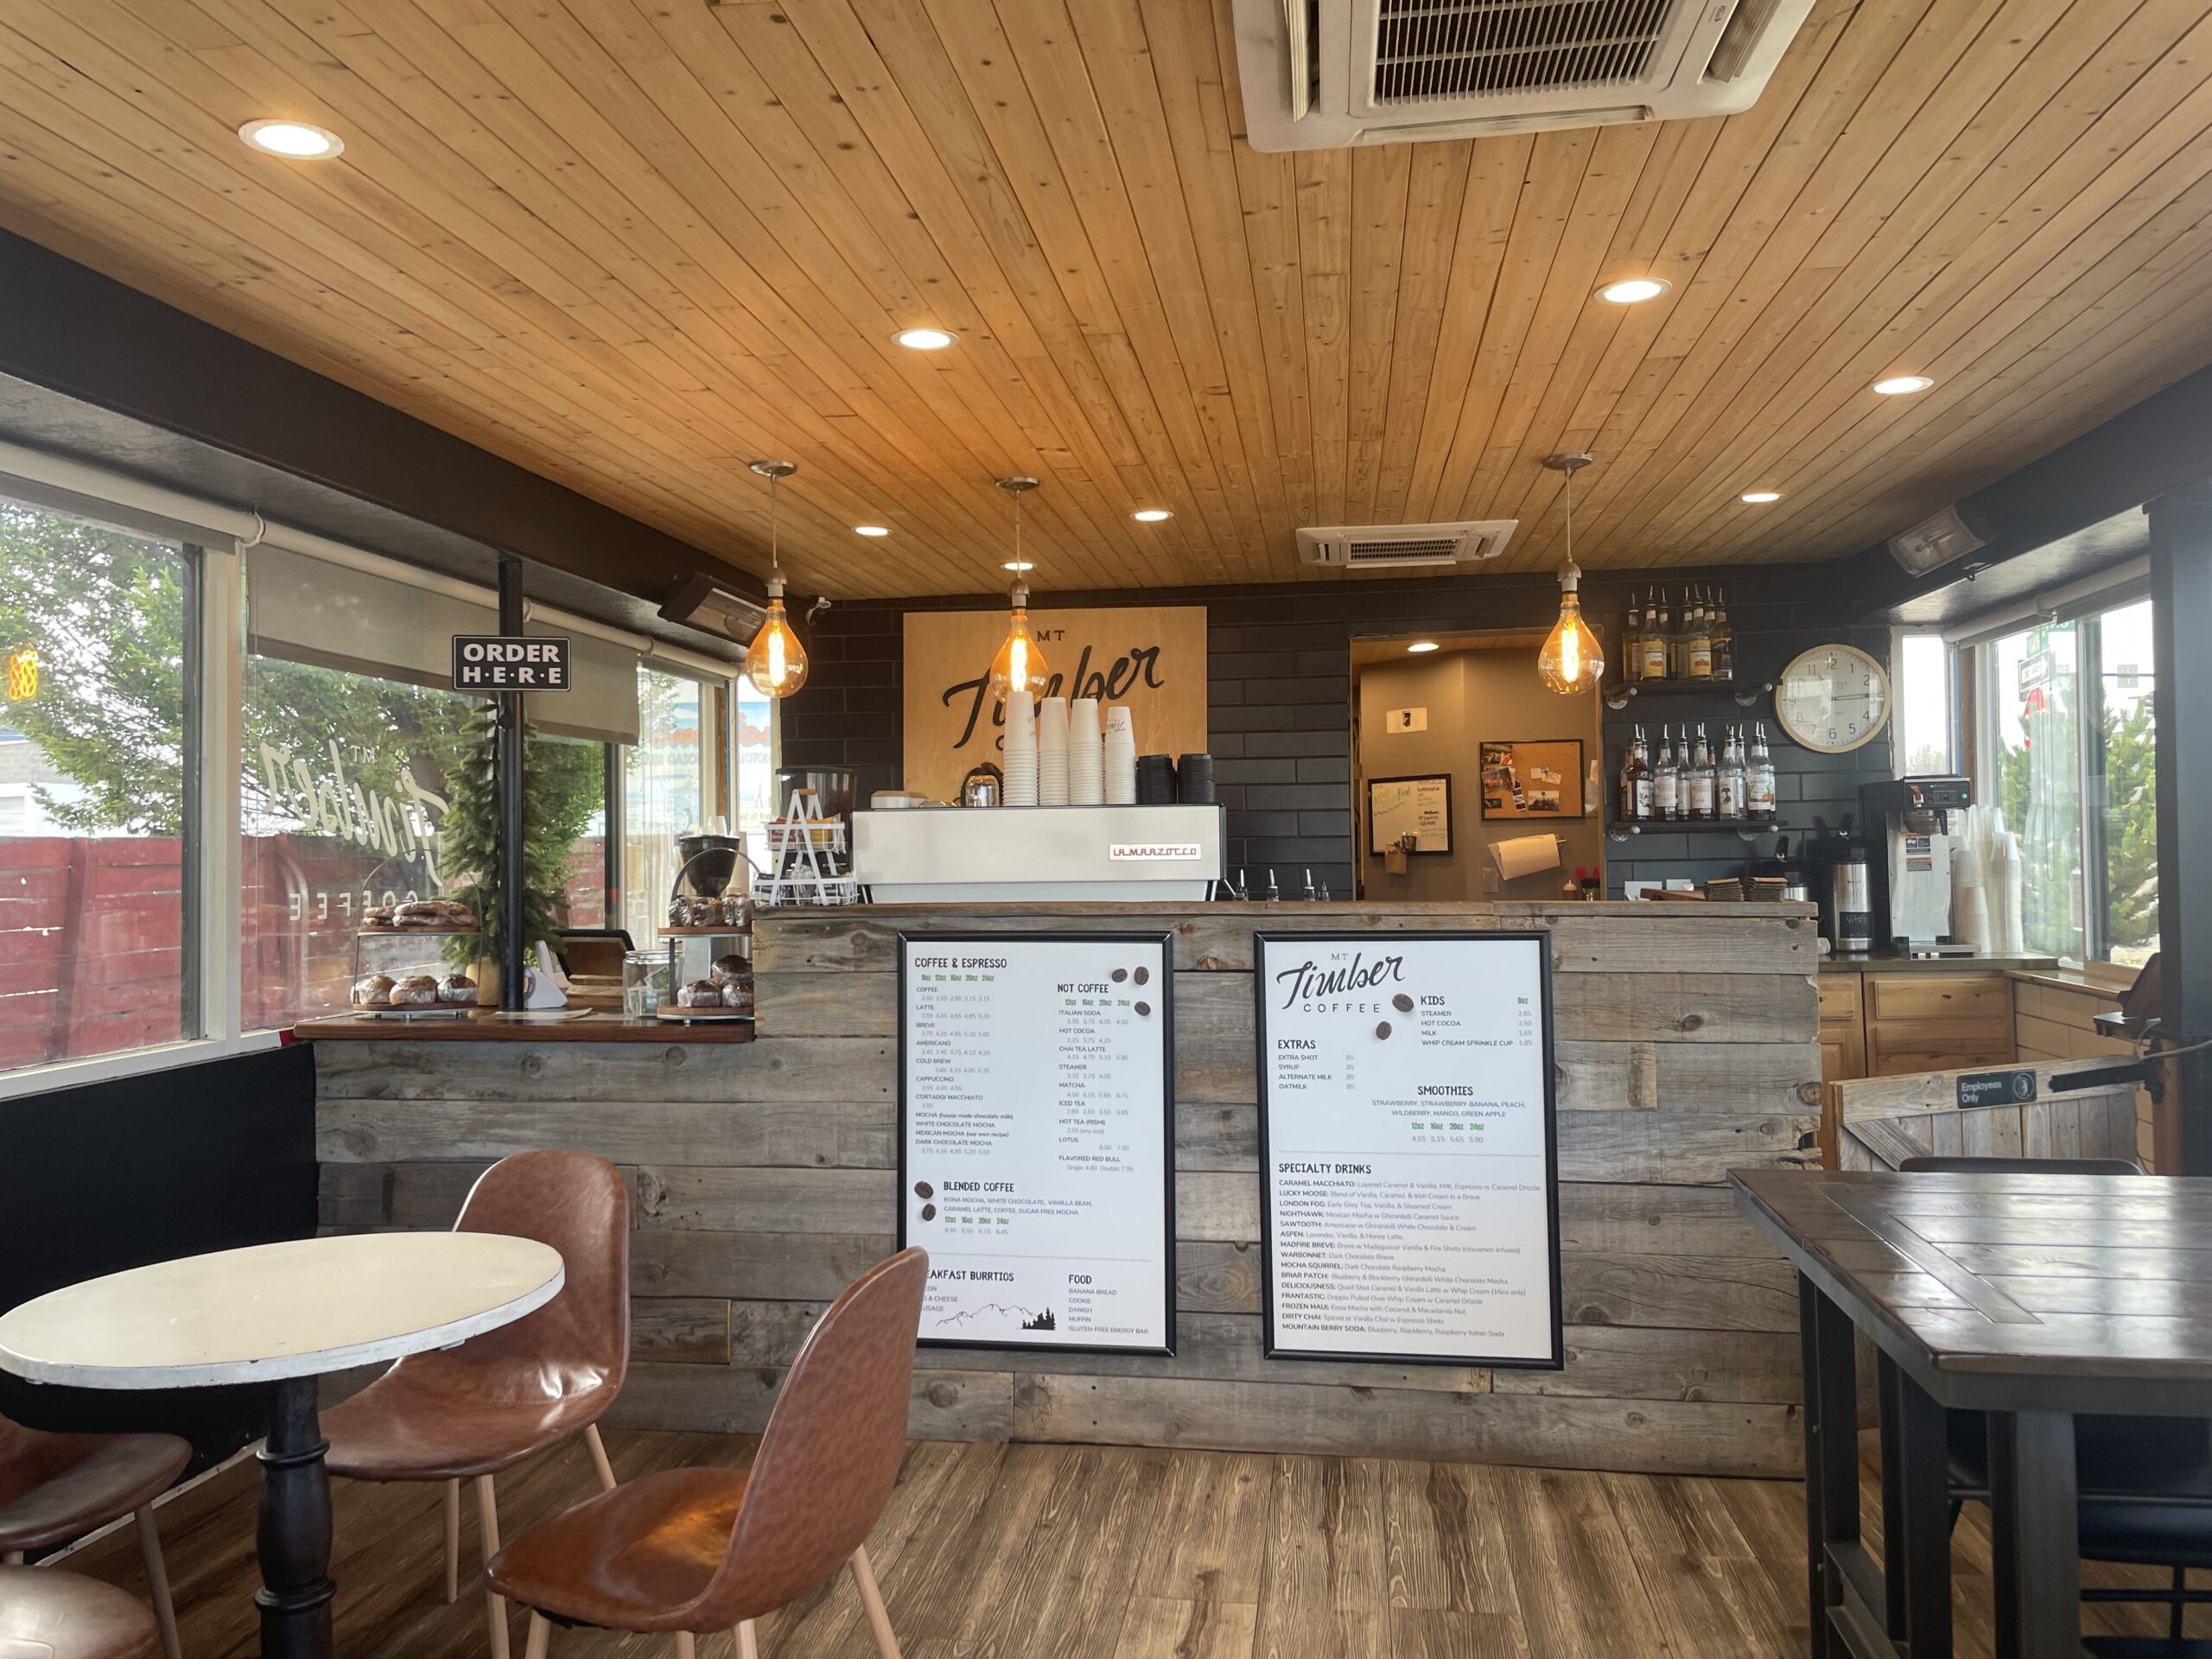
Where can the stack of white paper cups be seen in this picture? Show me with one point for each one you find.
(1052, 752)
(1086, 774)
(1019, 753)
(1120, 757)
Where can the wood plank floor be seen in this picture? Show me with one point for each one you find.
(1034, 1552)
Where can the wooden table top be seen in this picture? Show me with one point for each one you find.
(2079, 1293)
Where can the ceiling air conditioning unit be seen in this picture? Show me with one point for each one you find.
(1398, 547)
(1321, 74)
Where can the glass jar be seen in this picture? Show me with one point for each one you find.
(646, 986)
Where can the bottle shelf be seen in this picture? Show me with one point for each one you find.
(1744, 829)
(1744, 694)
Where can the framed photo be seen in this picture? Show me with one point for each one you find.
(1540, 779)
(1419, 807)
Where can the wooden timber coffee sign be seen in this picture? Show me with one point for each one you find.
(1150, 659)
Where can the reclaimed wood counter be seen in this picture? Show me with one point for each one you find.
(763, 1178)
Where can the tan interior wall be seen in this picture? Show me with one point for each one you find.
(1472, 697)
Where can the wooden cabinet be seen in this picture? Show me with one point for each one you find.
(1878, 1025)
(1936, 1022)
(1843, 1028)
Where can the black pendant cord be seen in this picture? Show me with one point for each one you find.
(510, 764)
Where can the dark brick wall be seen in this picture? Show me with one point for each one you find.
(1279, 690)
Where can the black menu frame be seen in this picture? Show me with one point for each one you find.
(1165, 944)
(1261, 1049)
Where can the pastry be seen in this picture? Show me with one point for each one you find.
(459, 990)
(378, 916)
(435, 912)
(735, 911)
(415, 991)
(706, 912)
(374, 992)
(679, 912)
(700, 994)
(737, 993)
(732, 967)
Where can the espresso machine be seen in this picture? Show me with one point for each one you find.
(1917, 826)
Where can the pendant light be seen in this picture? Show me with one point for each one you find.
(775, 662)
(1572, 660)
(1019, 663)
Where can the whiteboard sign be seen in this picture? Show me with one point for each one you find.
(1409, 1175)
(1037, 1136)
(1418, 808)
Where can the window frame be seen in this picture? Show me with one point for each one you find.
(210, 538)
(2086, 611)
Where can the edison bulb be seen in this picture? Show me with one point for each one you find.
(1571, 660)
(775, 662)
(1020, 664)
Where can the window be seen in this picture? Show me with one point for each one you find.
(2068, 755)
(1922, 666)
(668, 787)
(98, 769)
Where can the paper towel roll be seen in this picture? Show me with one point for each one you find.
(1525, 856)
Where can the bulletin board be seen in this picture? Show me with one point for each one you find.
(1541, 779)
(1419, 807)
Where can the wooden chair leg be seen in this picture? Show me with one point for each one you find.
(879, 1619)
(686, 1647)
(746, 1647)
(541, 1633)
(487, 1521)
(157, 1580)
(598, 1457)
(452, 1541)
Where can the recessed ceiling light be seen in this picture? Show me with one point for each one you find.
(1019, 565)
(1901, 385)
(1760, 497)
(296, 140)
(1635, 290)
(870, 529)
(1151, 515)
(924, 339)
(1420, 646)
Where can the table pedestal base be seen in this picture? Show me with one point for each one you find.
(293, 1532)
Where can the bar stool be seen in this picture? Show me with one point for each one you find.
(693, 1551)
(56, 1488)
(58, 1615)
(469, 1413)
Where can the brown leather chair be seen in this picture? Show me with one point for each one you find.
(60, 1615)
(691, 1551)
(54, 1488)
(469, 1412)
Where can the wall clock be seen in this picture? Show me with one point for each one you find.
(1833, 698)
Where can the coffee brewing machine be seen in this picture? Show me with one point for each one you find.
(1918, 826)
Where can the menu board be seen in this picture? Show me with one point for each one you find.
(1036, 1137)
(1407, 1147)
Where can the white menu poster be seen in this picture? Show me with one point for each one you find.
(1406, 1141)
(1036, 1137)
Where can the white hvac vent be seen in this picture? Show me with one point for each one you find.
(1387, 547)
(1325, 74)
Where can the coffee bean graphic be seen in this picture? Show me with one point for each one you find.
(1121, 973)
(1144, 1007)
(924, 1189)
(1402, 1003)
(1382, 1028)
(929, 1212)
(1142, 974)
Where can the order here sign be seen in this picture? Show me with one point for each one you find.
(490, 661)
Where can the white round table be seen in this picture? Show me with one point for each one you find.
(282, 1313)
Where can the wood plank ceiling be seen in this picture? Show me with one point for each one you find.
(632, 244)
